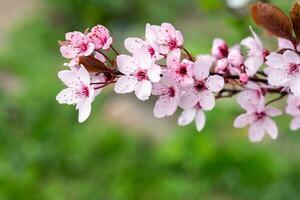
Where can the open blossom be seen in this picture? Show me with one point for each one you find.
(285, 71)
(256, 53)
(133, 44)
(182, 71)
(76, 44)
(79, 91)
(165, 36)
(201, 91)
(188, 116)
(251, 95)
(293, 109)
(100, 36)
(139, 72)
(169, 96)
(258, 117)
(229, 60)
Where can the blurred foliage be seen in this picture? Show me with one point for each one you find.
(45, 154)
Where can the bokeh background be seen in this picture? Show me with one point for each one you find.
(122, 152)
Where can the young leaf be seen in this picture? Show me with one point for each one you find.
(92, 64)
(295, 16)
(272, 19)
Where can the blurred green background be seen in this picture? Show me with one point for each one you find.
(122, 152)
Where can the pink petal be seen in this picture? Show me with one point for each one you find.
(291, 57)
(84, 109)
(295, 85)
(134, 44)
(126, 64)
(68, 51)
(90, 49)
(142, 58)
(215, 83)
(207, 100)
(84, 76)
(173, 59)
(285, 44)
(154, 73)
(253, 64)
(190, 98)
(187, 117)
(108, 43)
(159, 89)
(295, 124)
(67, 96)
(273, 112)
(278, 77)
(275, 60)
(69, 78)
(256, 132)
(243, 120)
(143, 90)
(270, 128)
(165, 106)
(125, 84)
(200, 120)
(202, 67)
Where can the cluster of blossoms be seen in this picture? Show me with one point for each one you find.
(158, 64)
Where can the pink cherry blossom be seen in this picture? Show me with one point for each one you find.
(201, 91)
(76, 44)
(285, 71)
(285, 44)
(188, 116)
(182, 71)
(101, 38)
(256, 53)
(252, 95)
(169, 96)
(165, 36)
(293, 109)
(139, 72)
(258, 117)
(79, 91)
(229, 60)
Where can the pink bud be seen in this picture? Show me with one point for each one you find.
(244, 78)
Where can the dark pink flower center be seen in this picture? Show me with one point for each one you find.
(182, 71)
(172, 44)
(171, 92)
(260, 115)
(151, 51)
(141, 75)
(84, 92)
(224, 50)
(83, 47)
(293, 69)
(200, 86)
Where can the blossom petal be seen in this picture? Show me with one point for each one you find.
(243, 120)
(215, 83)
(200, 120)
(143, 90)
(207, 100)
(133, 44)
(270, 128)
(125, 84)
(154, 73)
(165, 106)
(273, 112)
(295, 86)
(173, 59)
(142, 58)
(67, 96)
(278, 77)
(84, 76)
(202, 67)
(256, 132)
(295, 124)
(291, 57)
(126, 64)
(69, 78)
(253, 64)
(186, 117)
(190, 98)
(84, 109)
(275, 60)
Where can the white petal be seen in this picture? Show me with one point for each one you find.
(126, 64)
(142, 58)
(125, 84)
(154, 73)
(295, 86)
(215, 83)
(84, 109)
(190, 98)
(133, 44)
(275, 60)
(173, 59)
(200, 120)
(253, 64)
(70, 78)
(243, 120)
(186, 117)
(273, 112)
(291, 57)
(278, 77)
(84, 75)
(165, 106)
(270, 128)
(285, 44)
(67, 96)
(295, 124)
(256, 132)
(143, 90)
(202, 67)
(207, 100)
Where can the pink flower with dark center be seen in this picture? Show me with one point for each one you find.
(166, 37)
(256, 53)
(284, 71)
(79, 91)
(258, 117)
(169, 96)
(182, 71)
(140, 72)
(188, 116)
(101, 38)
(293, 109)
(252, 95)
(201, 91)
(76, 44)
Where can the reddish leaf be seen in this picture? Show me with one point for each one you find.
(295, 16)
(272, 19)
(92, 64)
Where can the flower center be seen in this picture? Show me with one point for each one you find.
(224, 50)
(260, 115)
(182, 70)
(200, 86)
(171, 92)
(172, 44)
(151, 51)
(84, 92)
(141, 75)
(83, 47)
(293, 69)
